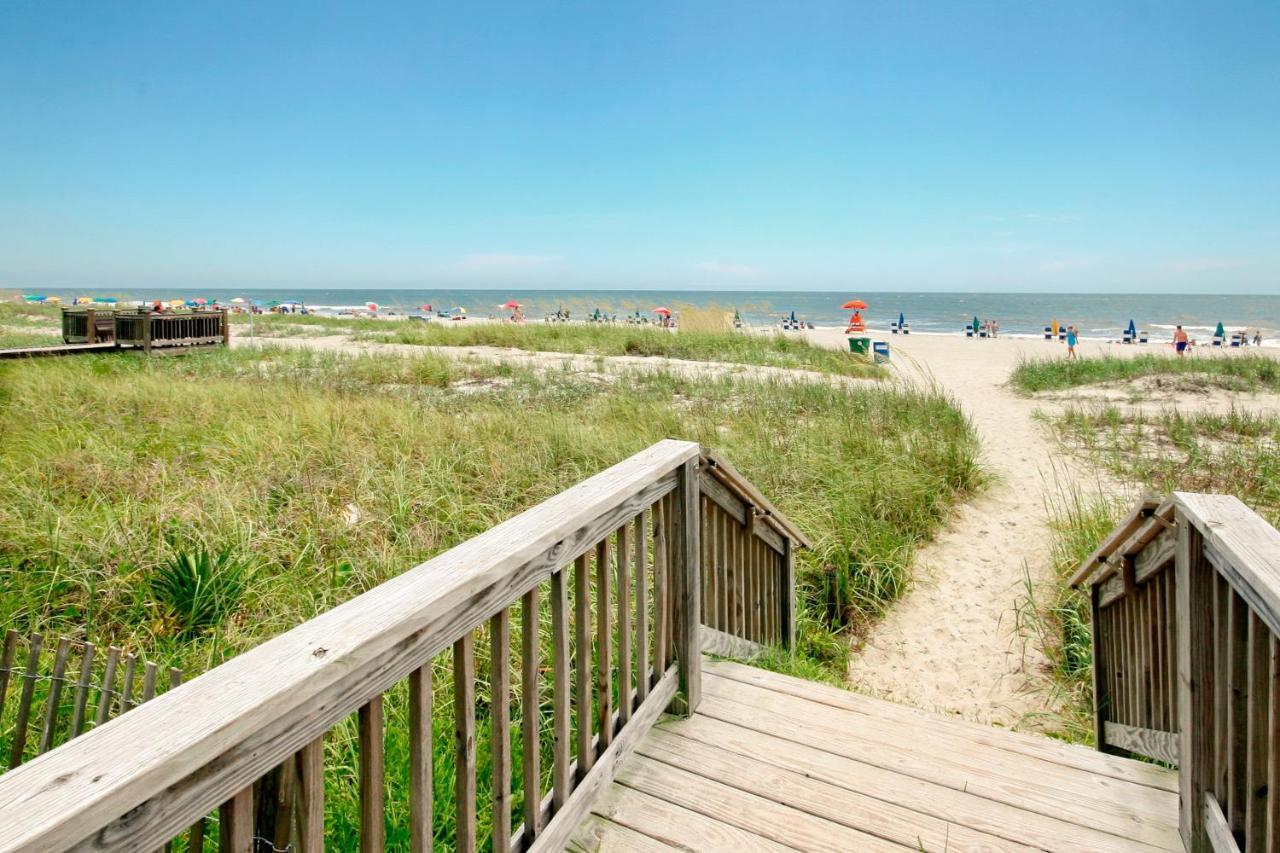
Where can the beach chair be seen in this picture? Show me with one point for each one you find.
(1128, 338)
(1217, 340)
(1144, 337)
(968, 331)
(906, 328)
(1062, 336)
(1048, 333)
(893, 327)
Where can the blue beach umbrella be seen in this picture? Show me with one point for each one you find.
(1133, 330)
(107, 300)
(901, 319)
(793, 316)
(36, 298)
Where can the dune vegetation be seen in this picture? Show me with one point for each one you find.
(1233, 372)
(291, 480)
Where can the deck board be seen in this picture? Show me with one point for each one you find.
(771, 762)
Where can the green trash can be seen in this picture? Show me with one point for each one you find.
(861, 346)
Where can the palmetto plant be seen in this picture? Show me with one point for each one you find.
(202, 586)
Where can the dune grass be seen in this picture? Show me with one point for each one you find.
(704, 344)
(1232, 371)
(25, 324)
(321, 475)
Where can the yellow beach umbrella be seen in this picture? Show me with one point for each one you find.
(176, 303)
(83, 300)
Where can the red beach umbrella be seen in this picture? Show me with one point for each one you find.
(666, 312)
(854, 305)
(511, 303)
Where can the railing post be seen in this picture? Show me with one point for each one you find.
(1101, 701)
(1195, 583)
(226, 329)
(687, 584)
(91, 326)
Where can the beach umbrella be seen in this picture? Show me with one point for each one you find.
(239, 300)
(54, 299)
(510, 303)
(665, 312)
(793, 317)
(175, 303)
(372, 306)
(1220, 332)
(901, 319)
(854, 305)
(83, 300)
(199, 301)
(107, 300)
(976, 324)
(1133, 329)
(424, 307)
(457, 309)
(35, 298)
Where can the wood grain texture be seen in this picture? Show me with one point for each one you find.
(29, 677)
(625, 691)
(583, 677)
(560, 697)
(311, 797)
(421, 754)
(49, 729)
(1196, 582)
(530, 708)
(372, 781)
(1216, 828)
(235, 823)
(1242, 545)
(1258, 736)
(500, 727)
(687, 571)
(464, 743)
(1150, 743)
(604, 644)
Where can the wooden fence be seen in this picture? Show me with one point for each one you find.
(88, 325)
(603, 587)
(1186, 643)
(61, 689)
(148, 330)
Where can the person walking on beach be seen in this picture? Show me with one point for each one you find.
(1071, 342)
(1180, 341)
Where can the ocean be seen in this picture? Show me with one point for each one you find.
(1097, 315)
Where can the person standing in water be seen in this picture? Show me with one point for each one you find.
(1180, 341)
(1071, 341)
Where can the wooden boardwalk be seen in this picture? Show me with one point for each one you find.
(770, 762)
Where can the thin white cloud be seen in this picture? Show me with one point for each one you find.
(504, 262)
(1193, 265)
(727, 270)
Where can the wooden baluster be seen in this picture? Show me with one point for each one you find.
(286, 796)
(235, 823)
(1237, 715)
(687, 578)
(55, 694)
(149, 682)
(705, 525)
(716, 527)
(582, 663)
(560, 688)
(1258, 739)
(659, 590)
(310, 760)
(500, 726)
(1273, 756)
(1101, 668)
(604, 646)
(642, 609)
(1155, 665)
(673, 560)
(788, 566)
(29, 677)
(421, 792)
(6, 664)
(1221, 686)
(1144, 654)
(625, 693)
(1195, 582)
(82, 690)
(1171, 638)
(464, 733)
(372, 791)
(530, 705)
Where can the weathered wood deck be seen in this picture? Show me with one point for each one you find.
(770, 762)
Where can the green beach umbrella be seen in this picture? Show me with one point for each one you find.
(976, 324)
(1221, 332)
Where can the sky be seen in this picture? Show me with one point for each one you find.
(1112, 147)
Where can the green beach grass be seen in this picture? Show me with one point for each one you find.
(1230, 371)
(326, 474)
(700, 344)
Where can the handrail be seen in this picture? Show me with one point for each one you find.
(720, 468)
(1186, 648)
(137, 781)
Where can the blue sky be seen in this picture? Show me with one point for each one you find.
(916, 146)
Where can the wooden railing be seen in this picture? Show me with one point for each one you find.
(1187, 660)
(148, 330)
(87, 325)
(602, 586)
